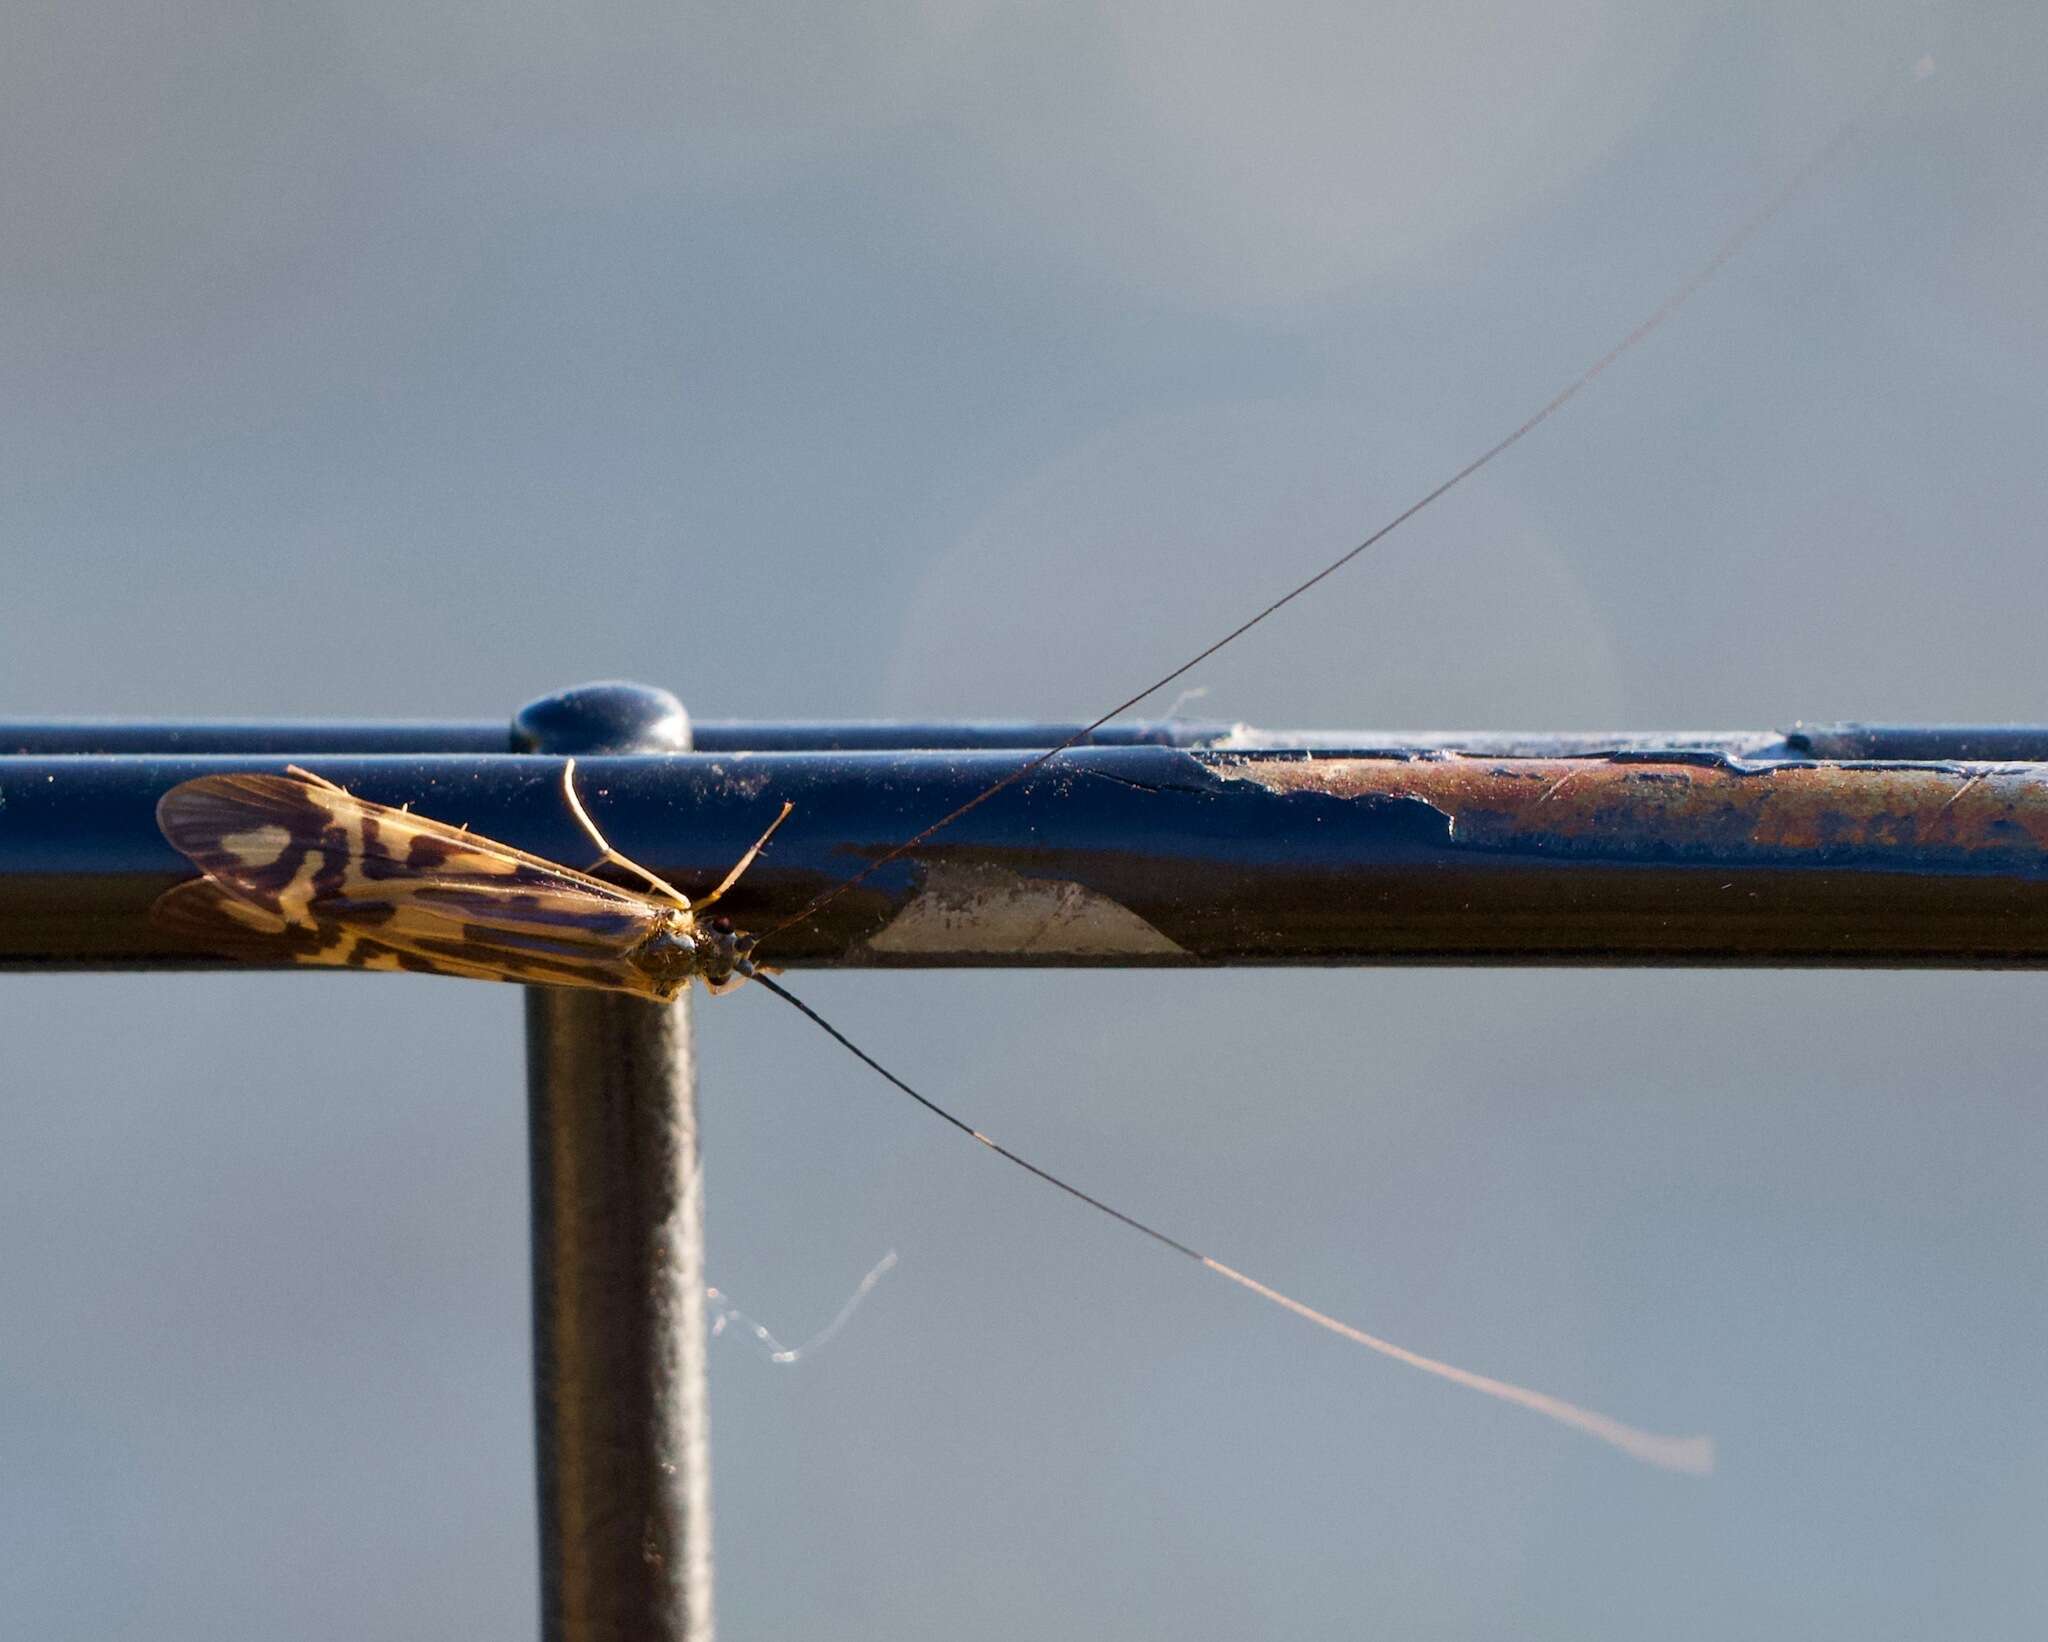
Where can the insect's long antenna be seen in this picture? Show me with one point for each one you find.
(1690, 1454)
(1723, 254)
(745, 861)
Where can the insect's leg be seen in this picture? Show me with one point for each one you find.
(609, 854)
(747, 860)
(307, 775)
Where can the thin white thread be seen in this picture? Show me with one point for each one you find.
(773, 1349)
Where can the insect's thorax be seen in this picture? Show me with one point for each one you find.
(683, 950)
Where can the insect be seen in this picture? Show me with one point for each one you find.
(340, 881)
(296, 863)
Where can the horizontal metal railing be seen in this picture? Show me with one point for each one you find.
(1169, 843)
(1639, 849)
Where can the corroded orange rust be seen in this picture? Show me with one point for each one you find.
(1976, 813)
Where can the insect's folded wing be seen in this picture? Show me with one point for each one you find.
(213, 920)
(267, 834)
(201, 912)
(547, 936)
(337, 880)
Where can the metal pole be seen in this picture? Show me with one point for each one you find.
(621, 1407)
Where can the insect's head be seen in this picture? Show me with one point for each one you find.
(723, 951)
(743, 950)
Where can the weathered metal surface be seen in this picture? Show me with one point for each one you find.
(959, 910)
(1641, 806)
(302, 738)
(2023, 743)
(1153, 855)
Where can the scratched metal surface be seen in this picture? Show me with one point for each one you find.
(414, 360)
(1161, 857)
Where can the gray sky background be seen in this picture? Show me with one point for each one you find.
(385, 358)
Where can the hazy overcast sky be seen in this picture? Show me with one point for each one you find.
(376, 358)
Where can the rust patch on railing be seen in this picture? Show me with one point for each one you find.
(1983, 816)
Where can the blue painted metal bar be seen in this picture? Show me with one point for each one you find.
(1155, 855)
(248, 738)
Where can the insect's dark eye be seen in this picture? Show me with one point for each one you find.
(722, 924)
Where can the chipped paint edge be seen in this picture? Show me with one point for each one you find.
(970, 911)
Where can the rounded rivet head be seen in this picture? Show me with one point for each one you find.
(607, 717)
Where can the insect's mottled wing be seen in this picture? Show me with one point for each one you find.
(333, 879)
(211, 918)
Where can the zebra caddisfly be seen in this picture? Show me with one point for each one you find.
(294, 859)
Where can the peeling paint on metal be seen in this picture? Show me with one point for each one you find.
(1967, 815)
(982, 910)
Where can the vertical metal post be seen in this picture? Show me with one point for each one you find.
(620, 1399)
